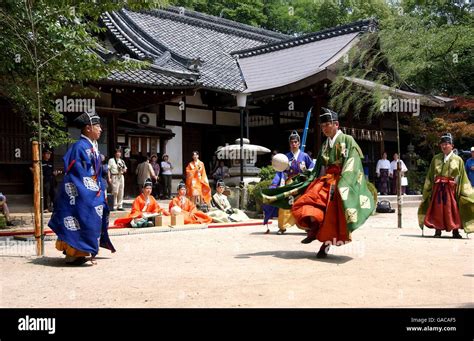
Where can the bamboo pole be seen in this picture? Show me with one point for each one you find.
(399, 179)
(37, 199)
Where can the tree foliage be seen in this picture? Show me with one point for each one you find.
(48, 47)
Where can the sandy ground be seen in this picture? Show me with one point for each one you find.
(242, 267)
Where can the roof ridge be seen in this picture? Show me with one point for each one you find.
(144, 48)
(228, 22)
(357, 26)
(185, 61)
(218, 24)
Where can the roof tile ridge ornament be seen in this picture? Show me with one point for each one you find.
(219, 27)
(225, 22)
(119, 35)
(367, 25)
(180, 59)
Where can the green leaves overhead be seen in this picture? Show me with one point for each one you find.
(52, 43)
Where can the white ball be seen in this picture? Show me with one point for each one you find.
(175, 210)
(280, 162)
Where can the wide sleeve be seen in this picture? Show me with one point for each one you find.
(203, 173)
(357, 200)
(427, 192)
(309, 162)
(171, 204)
(276, 180)
(156, 208)
(404, 167)
(377, 168)
(465, 197)
(137, 207)
(190, 207)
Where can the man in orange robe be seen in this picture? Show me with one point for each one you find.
(191, 214)
(144, 204)
(197, 184)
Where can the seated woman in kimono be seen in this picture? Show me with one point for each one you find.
(191, 214)
(221, 211)
(144, 208)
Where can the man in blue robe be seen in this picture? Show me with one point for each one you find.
(298, 162)
(81, 215)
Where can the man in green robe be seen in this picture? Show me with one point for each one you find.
(448, 197)
(332, 200)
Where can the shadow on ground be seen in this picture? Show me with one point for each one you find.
(336, 259)
(274, 233)
(447, 236)
(58, 262)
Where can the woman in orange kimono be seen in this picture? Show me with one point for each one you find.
(197, 184)
(191, 213)
(144, 207)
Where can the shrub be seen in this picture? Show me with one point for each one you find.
(255, 198)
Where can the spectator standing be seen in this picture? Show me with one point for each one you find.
(156, 168)
(166, 175)
(117, 169)
(394, 172)
(49, 180)
(144, 171)
(383, 173)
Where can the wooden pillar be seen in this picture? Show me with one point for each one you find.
(382, 144)
(317, 127)
(37, 199)
(183, 122)
(112, 133)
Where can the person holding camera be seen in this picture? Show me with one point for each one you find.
(117, 169)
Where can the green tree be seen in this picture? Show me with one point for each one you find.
(47, 48)
(431, 46)
(244, 11)
(425, 48)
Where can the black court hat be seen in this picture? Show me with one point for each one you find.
(87, 118)
(447, 137)
(148, 183)
(328, 115)
(181, 185)
(294, 136)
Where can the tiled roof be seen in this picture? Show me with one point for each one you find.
(150, 78)
(184, 47)
(297, 58)
(355, 27)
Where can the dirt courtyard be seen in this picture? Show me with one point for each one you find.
(242, 267)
